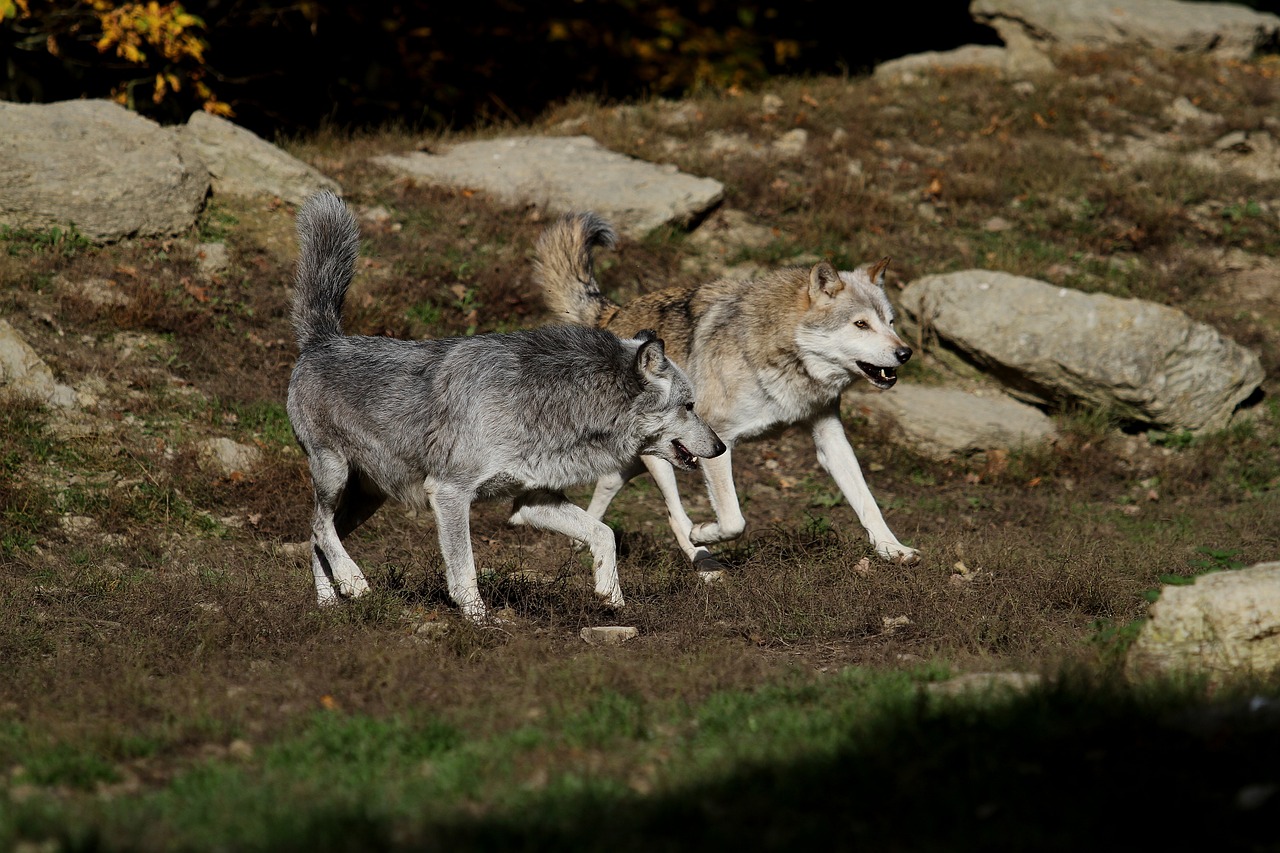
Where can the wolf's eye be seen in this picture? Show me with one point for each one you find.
(861, 324)
(688, 407)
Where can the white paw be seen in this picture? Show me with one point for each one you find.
(353, 587)
(712, 533)
(475, 611)
(898, 553)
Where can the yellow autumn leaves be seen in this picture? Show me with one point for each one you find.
(158, 37)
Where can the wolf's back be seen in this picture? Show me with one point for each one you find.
(564, 270)
(329, 243)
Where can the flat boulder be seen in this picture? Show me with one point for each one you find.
(23, 372)
(97, 166)
(1148, 363)
(563, 173)
(1224, 30)
(1224, 624)
(242, 163)
(951, 422)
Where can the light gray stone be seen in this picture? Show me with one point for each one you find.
(1226, 30)
(244, 164)
(1002, 60)
(942, 422)
(1225, 623)
(99, 292)
(565, 173)
(95, 165)
(24, 373)
(1147, 362)
(228, 457)
(213, 259)
(608, 635)
(986, 684)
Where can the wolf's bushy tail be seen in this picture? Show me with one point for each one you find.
(563, 268)
(329, 243)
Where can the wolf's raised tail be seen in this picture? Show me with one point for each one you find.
(329, 243)
(564, 270)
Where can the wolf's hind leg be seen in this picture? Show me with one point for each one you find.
(552, 511)
(335, 573)
(607, 488)
(452, 508)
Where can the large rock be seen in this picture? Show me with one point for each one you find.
(95, 165)
(243, 163)
(1012, 60)
(1225, 30)
(942, 422)
(1147, 362)
(567, 173)
(24, 373)
(1223, 624)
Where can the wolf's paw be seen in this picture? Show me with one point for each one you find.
(712, 533)
(708, 569)
(353, 586)
(704, 561)
(712, 577)
(898, 553)
(476, 612)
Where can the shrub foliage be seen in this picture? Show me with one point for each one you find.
(281, 65)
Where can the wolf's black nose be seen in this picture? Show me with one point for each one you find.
(902, 354)
(720, 448)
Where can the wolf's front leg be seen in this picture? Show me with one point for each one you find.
(452, 508)
(552, 511)
(836, 455)
(729, 523)
(665, 476)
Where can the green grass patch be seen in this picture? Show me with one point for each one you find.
(871, 757)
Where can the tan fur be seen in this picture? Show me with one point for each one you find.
(762, 353)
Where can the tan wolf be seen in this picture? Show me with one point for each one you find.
(762, 354)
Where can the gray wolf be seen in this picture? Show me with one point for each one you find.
(762, 354)
(448, 421)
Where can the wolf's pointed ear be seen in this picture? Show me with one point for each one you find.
(824, 281)
(876, 273)
(646, 335)
(651, 356)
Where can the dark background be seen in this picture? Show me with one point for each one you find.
(286, 66)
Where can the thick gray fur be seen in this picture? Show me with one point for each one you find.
(445, 422)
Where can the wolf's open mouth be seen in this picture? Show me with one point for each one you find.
(686, 458)
(881, 377)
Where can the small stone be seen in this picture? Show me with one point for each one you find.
(609, 635)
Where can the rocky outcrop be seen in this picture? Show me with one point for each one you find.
(941, 422)
(24, 374)
(1146, 362)
(567, 173)
(1032, 29)
(99, 167)
(243, 163)
(1225, 30)
(1224, 624)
